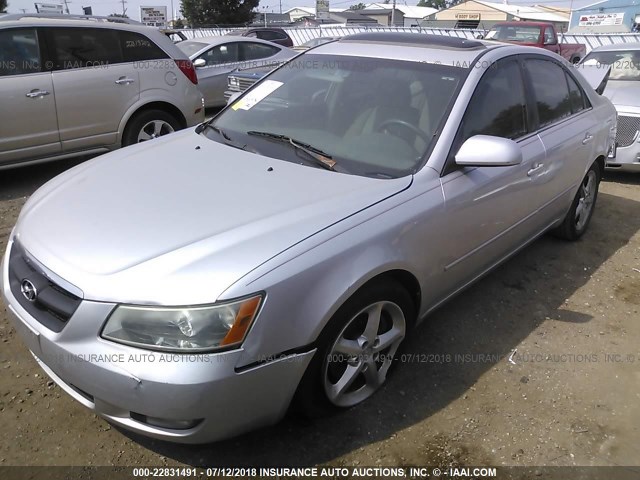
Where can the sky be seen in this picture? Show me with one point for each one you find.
(106, 7)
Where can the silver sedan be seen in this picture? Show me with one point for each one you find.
(192, 288)
(623, 89)
(215, 57)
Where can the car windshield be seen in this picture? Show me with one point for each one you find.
(371, 116)
(514, 33)
(190, 47)
(625, 65)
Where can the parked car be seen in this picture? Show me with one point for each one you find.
(241, 79)
(285, 249)
(76, 87)
(623, 89)
(536, 34)
(271, 34)
(215, 57)
(314, 42)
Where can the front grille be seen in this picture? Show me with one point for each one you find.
(244, 83)
(627, 130)
(51, 305)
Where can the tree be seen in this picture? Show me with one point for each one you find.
(179, 23)
(358, 6)
(3, 6)
(201, 13)
(439, 4)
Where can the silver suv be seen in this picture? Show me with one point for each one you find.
(71, 87)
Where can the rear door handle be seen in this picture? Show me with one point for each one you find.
(587, 138)
(36, 93)
(535, 169)
(124, 81)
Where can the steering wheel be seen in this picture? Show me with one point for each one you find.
(402, 123)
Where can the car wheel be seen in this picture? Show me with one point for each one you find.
(148, 125)
(584, 203)
(357, 349)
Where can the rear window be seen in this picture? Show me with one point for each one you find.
(190, 48)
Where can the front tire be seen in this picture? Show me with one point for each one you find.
(356, 349)
(148, 125)
(584, 203)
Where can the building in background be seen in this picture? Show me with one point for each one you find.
(483, 15)
(609, 16)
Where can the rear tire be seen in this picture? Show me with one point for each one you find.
(147, 125)
(356, 349)
(584, 203)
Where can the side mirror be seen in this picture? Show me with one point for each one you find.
(199, 62)
(488, 151)
(479, 37)
(233, 97)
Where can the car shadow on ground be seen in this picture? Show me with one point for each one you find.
(491, 318)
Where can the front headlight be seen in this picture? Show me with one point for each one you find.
(233, 82)
(192, 329)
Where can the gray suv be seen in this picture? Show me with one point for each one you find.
(71, 87)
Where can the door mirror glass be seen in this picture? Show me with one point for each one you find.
(489, 151)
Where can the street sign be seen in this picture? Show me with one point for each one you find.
(154, 16)
(48, 8)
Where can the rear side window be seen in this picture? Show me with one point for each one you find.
(498, 104)
(83, 47)
(550, 90)
(137, 47)
(255, 51)
(19, 53)
(576, 97)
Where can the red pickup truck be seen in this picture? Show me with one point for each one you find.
(536, 34)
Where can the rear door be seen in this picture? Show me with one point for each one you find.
(565, 126)
(94, 84)
(29, 128)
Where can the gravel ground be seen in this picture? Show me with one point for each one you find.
(569, 395)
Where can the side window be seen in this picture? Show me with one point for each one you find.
(549, 36)
(576, 97)
(19, 53)
(497, 106)
(255, 51)
(550, 90)
(221, 54)
(84, 47)
(136, 47)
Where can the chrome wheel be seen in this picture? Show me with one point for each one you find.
(154, 129)
(358, 361)
(586, 200)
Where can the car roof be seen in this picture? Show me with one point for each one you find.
(618, 47)
(417, 47)
(218, 39)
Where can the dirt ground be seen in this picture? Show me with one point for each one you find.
(537, 364)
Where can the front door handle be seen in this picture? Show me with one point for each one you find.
(535, 169)
(36, 93)
(587, 138)
(124, 81)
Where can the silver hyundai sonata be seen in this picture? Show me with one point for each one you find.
(193, 287)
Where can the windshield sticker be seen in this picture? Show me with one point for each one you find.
(256, 95)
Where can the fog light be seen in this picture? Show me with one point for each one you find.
(165, 422)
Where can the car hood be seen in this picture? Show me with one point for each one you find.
(624, 93)
(179, 219)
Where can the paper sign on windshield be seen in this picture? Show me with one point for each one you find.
(256, 95)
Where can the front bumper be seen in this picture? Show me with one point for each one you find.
(627, 159)
(176, 397)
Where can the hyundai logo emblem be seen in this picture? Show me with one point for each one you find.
(29, 290)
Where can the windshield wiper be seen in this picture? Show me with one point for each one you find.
(322, 158)
(227, 139)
